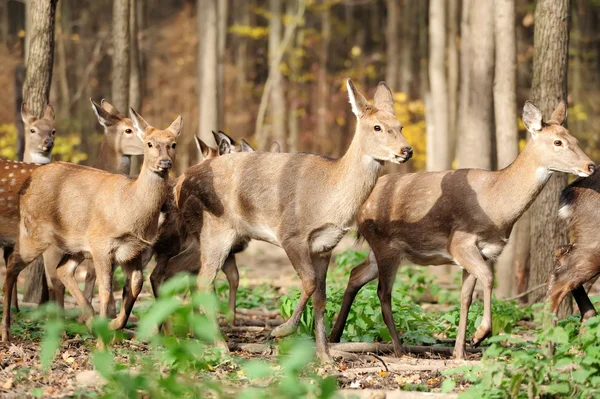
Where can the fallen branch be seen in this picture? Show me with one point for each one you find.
(258, 312)
(359, 347)
(253, 329)
(261, 349)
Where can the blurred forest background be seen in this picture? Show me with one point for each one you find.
(275, 70)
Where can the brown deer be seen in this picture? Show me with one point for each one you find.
(462, 217)
(304, 203)
(91, 213)
(578, 262)
(39, 142)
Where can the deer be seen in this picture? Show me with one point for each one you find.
(462, 217)
(302, 202)
(39, 143)
(86, 212)
(118, 144)
(579, 261)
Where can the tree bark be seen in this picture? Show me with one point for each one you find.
(221, 46)
(550, 63)
(19, 83)
(242, 18)
(392, 48)
(135, 64)
(474, 148)
(277, 114)
(121, 56)
(505, 112)
(323, 85)
(208, 69)
(36, 92)
(437, 143)
(453, 76)
(409, 46)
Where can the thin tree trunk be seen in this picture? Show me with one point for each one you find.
(550, 63)
(221, 46)
(392, 48)
(295, 98)
(209, 65)
(242, 18)
(36, 92)
(505, 112)
(453, 76)
(135, 75)
(277, 114)
(323, 85)
(475, 144)
(408, 46)
(63, 82)
(438, 144)
(121, 56)
(19, 83)
(4, 20)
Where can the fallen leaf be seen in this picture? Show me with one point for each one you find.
(8, 384)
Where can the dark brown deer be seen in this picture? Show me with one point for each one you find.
(462, 217)
(304, 203)
(91, 213)
(578, 262)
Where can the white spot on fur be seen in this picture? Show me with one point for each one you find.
(13, 182)
(161, 219)
(583, 174)
(542, 174)
(3, 180)
(23, 171)
(565, 212)
(7, 167)
(15, 166)
(11, 175)
(10, 198)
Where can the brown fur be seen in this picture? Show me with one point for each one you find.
(301, 202)
(87, 212)
(461, 217)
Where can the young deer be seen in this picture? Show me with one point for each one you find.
(304, 203)
(578, 262)
(462, 217)
(88, 212)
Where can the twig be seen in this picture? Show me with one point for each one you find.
(94, 60)
(523, 294)
(363, 347)
(380, 359)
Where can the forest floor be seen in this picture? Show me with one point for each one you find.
(366, 374)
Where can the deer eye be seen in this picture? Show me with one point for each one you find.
(149, 145)
(53, 132)
(174, 145)
(377, 128)
(557, 143)
(128, 131)
(32, 130)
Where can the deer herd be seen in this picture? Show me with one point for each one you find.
(68, 214)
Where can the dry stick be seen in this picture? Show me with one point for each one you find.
(380, 359)
(529, 291)
(355, 347)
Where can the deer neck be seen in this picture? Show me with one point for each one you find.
(112, 161)
(354, 177)
(517, 186)
(150, 193)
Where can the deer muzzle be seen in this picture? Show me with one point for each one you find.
(165, 164)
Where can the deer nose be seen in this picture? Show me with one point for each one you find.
(49, 143)
(165, 164)
(407, 152)
(591, 168)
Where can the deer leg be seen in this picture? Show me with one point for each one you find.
(158, 274)
(52, 257)
(465, 252)
(359, 276)
(15, 299)
(233, 278)
(131, 290)
(66, 273)
(320, 264)
(90, 281)
(301, 260)
(466, 297)
(14, 266)
(570, 277)
(388, 268)
(586, 308)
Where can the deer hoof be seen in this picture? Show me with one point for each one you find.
(481, 334)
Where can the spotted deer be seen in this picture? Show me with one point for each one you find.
(304, 203)
(462, 217)
(86, 212)
(579, 261)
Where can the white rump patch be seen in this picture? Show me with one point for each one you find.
(491, 251)
(565, 212)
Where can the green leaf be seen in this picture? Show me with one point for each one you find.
(448, 385)
(558, 388)
(158, 313)
(37, 392)
(103, 361)
(50, 342)
(258, 369)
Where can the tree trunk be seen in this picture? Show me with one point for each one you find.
(392, 48)
(505, 112)
(221, 45)
(295, 97)
(121, 56)
(4, 21)
(36, 92)
(277, 114)
(453, 76)
(242, 18)
(208, 69)
(61, 53)
(551, 44)
(409, 45)
(474, 148)
(135, 65)
(438, 144)
(323, 136)
(19, 83)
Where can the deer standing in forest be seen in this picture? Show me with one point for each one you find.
(304, 203)
(578, 262)
(462, 217)
(86, 212)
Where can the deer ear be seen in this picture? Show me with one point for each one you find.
(202, 147)
(221, 136)
(104, 118)
(26, 115)
(108, 107)
(177, 126)
(48, 113)
(358, 101)
(139, 124)
(384, 98)
(275, 147)
(224, 147)
(245, 146)
(560, 113)
(532, 119)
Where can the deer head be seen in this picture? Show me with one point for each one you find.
(556, 149)
(378, 129)
(159, 151)
(206, 152)
(118, 130)
(39, 135)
